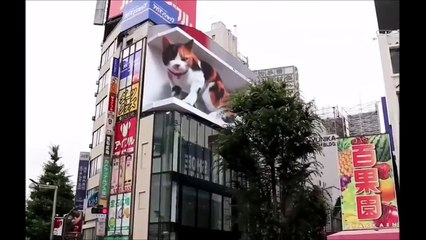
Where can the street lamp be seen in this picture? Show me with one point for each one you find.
(36, 185)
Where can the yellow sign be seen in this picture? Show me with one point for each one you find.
(128, 99)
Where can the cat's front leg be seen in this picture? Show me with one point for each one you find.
(176, 90)
(193, 92)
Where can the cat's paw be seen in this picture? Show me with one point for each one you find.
(190, 99)
(176, 90)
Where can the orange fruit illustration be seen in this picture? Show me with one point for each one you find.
(387, 188)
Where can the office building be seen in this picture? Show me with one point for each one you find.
(289, 74)
(334, 121)
(226, 39)
(388, 39)
(363, 119)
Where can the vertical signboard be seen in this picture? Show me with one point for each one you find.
(58, 226)
(128, 175)
(106, 171)
(111, 214)
(83, 167)
(367, 183)
(110, 120)
(123, 149)
(114, 175)
(125, 136)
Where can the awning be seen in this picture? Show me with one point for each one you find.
(379, 234)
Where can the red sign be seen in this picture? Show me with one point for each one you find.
(125, 136)
(187, 10)
(116, 7)
(369, 207)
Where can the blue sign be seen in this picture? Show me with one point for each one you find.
(157, 11)
(115, 66)
(93, 199)
(80, 192)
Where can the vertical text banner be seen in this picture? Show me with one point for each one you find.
(367, 183)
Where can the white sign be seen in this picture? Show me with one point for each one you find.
(100, 227)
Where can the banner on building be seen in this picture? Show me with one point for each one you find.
(367, 183)
(83, 168)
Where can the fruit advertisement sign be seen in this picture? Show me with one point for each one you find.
(367, 183)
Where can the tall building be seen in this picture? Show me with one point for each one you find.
(364, 119)
(226, 39)
(334, 121)
(289, 74)
(152, 161)
(388, 38)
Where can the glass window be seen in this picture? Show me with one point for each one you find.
(155, 199)
(98, 136)
(188, 206)
(216, 210)
(153, 232)
(192, 147)
(200, 152)
(125, 52)
(208, 151)
(111, 49)
(101, 108)
(176, 136)
(203, 209)
(220, 168)
(215, 167)
(104, 80)
(184, 132)
(89, 234)
(165, 198)
(174, 204)
(227, 216)
(132, 49)
(228, 177)
(139, 45)
(103, 59)
(157, 148)
(394, 54)
(168, 142)
(94, 166)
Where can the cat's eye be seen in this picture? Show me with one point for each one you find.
(184, 59)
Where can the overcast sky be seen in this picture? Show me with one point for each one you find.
(330, 42)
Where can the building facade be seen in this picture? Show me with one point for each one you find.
(388, 39)
(289, 74)
(152, 161)
(334, 121)
(224, 37)
(227, 40)
(389, 52)
(364, 119)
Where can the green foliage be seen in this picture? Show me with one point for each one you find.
(271, 144)
(39, 206)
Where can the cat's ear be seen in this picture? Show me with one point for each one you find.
(166, 42)
(189, 44)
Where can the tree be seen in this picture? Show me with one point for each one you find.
(271, 146)
(39, 206)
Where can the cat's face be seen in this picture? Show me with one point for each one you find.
(178, 58)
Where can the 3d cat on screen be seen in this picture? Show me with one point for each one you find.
(195, 81)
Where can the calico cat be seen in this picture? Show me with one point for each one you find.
(194, 77)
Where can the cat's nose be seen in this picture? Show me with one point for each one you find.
(176, 66)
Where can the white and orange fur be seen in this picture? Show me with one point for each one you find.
(195, 78)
